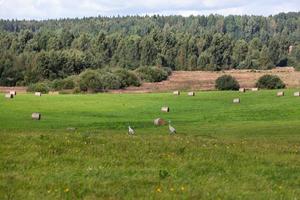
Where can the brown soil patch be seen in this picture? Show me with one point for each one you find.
(17, 89)
(199, 80)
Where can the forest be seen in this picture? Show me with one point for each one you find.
(36, 51)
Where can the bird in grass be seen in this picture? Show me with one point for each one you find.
(171, 128)
(130, 131)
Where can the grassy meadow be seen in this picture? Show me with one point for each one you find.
(221, 150)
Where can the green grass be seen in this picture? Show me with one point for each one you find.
(221, 151)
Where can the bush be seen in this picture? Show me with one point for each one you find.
(39, 87)
(270, 82)
(110, 81)
(91, 80)
(227, 82)
(98, 81)
(127, 78)
(152, 74)
(64, 84)
(168, 70)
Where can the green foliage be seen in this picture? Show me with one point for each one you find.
(270, 82)
(127, 78)
(42, 87)
(33, 51)
(110, 81)
(294, 57)
(152, 74)
(163, 174)
(100, 81)
(64, 84)
(91, 81)
(227, 82)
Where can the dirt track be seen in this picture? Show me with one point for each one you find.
(199, 80)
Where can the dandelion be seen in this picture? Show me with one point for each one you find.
(67, 190)
(182, 188)
(158, 190)
(172, 189)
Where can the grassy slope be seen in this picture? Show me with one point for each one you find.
(246, 151)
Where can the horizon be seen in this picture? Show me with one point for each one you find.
(58, 9)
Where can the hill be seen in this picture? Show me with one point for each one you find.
(36, 51)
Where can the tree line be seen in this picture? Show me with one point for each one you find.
(35, 51)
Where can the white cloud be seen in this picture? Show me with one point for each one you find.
(43, 9)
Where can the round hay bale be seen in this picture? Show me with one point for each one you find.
(280, 94)
(13, 92)
(242, 90)
(236, 100)
(296, 94)
(36, 116)
(9, 96)
(176, 93)
(159, 122)
(165, 109)
(191, 94)
(39, 94)
(254, 89)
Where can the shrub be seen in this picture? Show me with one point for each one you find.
(168, 70)
(270, 82)
(127, 78)
(227, 82)
(42, 87)
(64, 84)
(110, 81)
(98, 81)
(91, 80)
(152, 74)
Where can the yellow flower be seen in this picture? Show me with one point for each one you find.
(158, 190)
(67, 190)
(49, 191)
(182, 188)
(172, 189)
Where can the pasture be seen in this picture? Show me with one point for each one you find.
(221, 150)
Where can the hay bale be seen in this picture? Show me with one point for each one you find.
(9, 96)
(39, 94)
(280, 94)
(242, 90)
(296, 94)
(12, 92)
(159, 122)
(36, 116)
(165, 109)
(236, 100)
(254, 89)
(176, 93)
(191, 94)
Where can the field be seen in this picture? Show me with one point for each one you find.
(221, 151)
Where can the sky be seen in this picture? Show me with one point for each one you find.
(53, 9)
